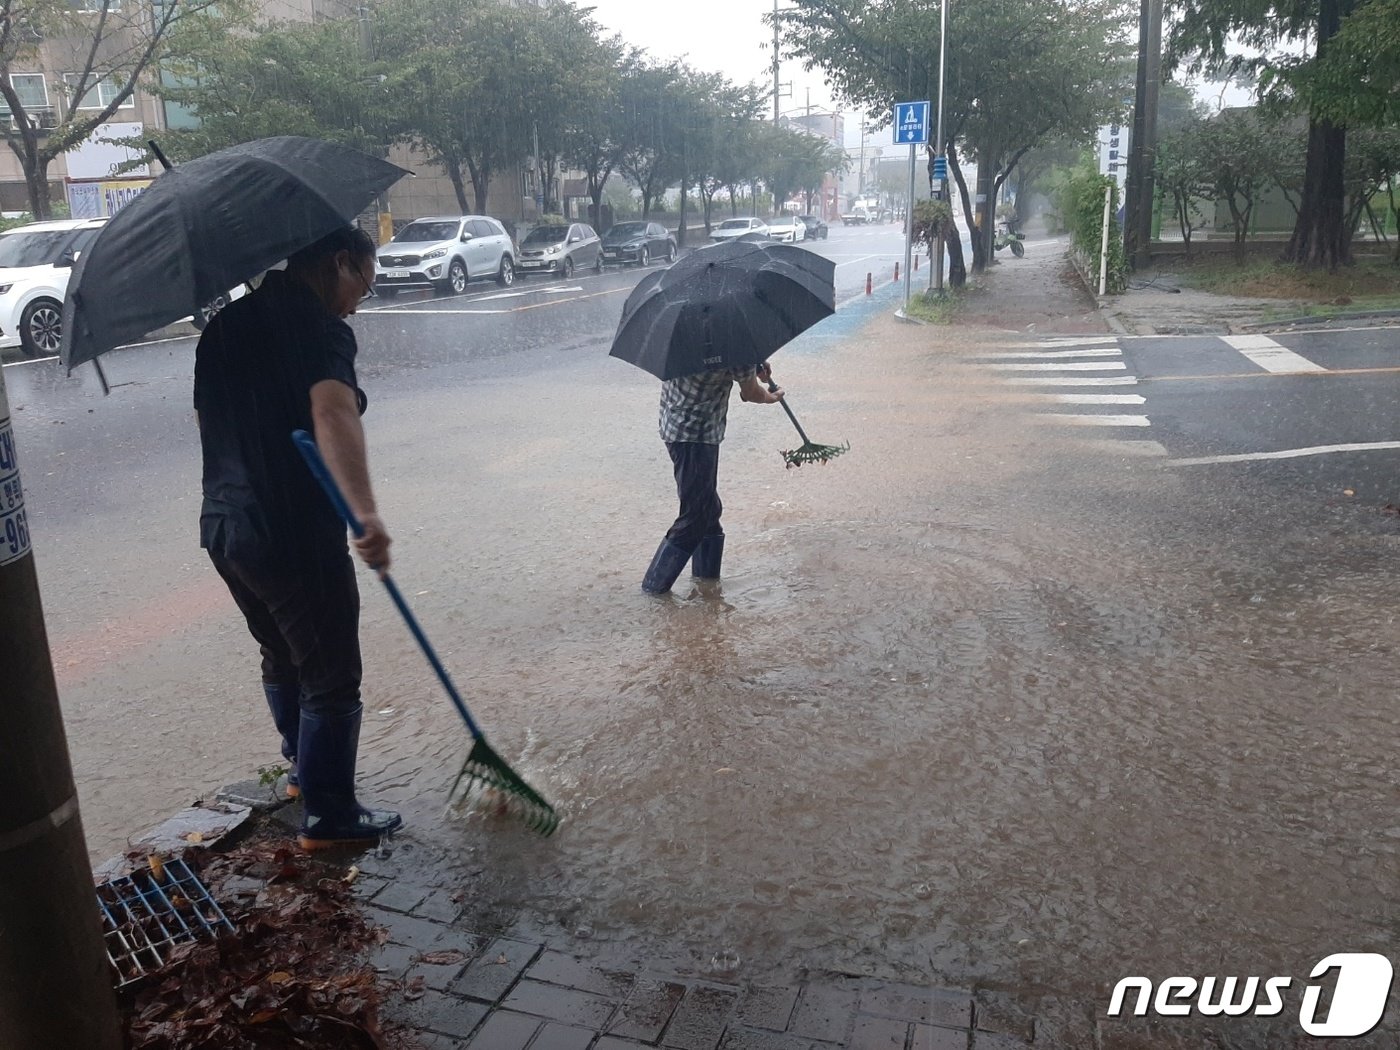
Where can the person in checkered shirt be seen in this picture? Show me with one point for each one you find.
(694, 410)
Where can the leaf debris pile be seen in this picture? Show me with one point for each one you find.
(288, 978)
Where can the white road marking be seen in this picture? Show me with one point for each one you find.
(1094, 421)
(1097, 399)
(1270, 355)
(1074, 380)
(425, 313)
(1062, 366)
(1127, 448)
(1052, 355)
(1288, 453)
(1056, 342)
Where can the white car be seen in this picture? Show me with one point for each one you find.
(788, 228)
(35, 263)
(445, 252)
(731, 229)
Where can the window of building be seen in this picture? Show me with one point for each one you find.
(32, 90)
(95, 5)
(99, 95)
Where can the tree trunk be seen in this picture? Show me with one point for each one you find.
(454, 175)
(36, 182)
(957, 268)
(986, 210)
(680, 228)
(1320, 238)
(956, 168)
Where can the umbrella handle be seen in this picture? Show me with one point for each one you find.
(773, 389)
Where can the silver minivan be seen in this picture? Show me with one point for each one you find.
(445, 253)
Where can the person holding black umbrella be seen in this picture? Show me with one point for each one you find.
(694, 412)
(278, 360)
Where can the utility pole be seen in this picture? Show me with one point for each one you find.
(777, 87)
(940, 161)
(386, 218)
(541, 197)
(1142, 157)
(55, 981)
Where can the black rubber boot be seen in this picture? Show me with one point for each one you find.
(665, 567)
(334, 817)
(284, 701)
(705, 562)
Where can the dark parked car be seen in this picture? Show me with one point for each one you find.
(816, 229)
(638, 242)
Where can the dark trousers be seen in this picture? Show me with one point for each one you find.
(306, 620)
(697, 475)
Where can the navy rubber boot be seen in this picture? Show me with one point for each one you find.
(665, 567)
(284, 701)
(705, 562)
(334, 817)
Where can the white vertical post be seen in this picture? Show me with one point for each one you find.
(1103, 252)
(909, 228)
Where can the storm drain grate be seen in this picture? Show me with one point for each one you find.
(147, 913)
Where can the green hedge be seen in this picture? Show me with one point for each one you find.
(1080, 203)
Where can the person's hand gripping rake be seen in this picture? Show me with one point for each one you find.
(809, 451)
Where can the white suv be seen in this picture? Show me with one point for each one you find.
(445, 253)
(35, 264)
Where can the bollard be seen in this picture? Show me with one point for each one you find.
(869, 284)
(896, 273)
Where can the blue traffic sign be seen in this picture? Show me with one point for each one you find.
(911, 123)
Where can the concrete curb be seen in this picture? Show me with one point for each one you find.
(1341, 321)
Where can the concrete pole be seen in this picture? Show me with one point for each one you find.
(1103, 250)
(55, 981)
(939, 149)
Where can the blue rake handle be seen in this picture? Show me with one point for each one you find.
(306, 445)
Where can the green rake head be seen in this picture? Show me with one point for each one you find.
(487, 772)
(810, 453)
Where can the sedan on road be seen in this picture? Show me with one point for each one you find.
(445, 253)
(561, 250)
(638, 242)
(730, 229)
(788, 228)
(816, 229)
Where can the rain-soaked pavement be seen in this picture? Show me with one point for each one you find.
(981, 700)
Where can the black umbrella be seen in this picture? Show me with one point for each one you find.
(208, 226)
(725, 306)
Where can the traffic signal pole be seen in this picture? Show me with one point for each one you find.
(55, 981)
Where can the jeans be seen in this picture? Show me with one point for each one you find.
(697, 474)
(306, 619)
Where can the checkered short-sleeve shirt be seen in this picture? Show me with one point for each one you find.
(694, 408)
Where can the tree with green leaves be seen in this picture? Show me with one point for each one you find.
(1236, 148)
(1357, 81)
(1183, 178)
(107, 49)
(278, 78)
(648, 158)
(1263, 36)
(1018, 71)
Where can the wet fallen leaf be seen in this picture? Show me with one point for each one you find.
(262, 1017)
(1348, 492)
(443, 958)
(351, 875)
(157, 868)
(500, 960)
(415, 989)
(195, 836)
(278, 977)
(724, 769)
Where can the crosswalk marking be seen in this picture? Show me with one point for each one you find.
(1073, 380)
(1094, 420)
(1061, 366)
(1052, 355)
(1097, 399)
(1270, 355)
(1288, 453)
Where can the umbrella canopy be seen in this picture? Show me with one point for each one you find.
(726, 306)
(208, 226)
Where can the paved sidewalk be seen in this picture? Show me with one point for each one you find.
(461, 989)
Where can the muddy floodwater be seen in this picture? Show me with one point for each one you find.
(974, 702)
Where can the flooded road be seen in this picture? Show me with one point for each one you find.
(973, 701)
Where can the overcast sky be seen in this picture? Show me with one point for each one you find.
(725, 36)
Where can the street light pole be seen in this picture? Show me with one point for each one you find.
(777, 87)
(55, 981)
(939, 151)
